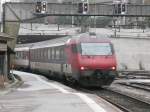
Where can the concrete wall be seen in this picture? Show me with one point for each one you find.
(132, 54)
(60, 1)
(12, 28)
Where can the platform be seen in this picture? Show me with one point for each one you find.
(38, 94)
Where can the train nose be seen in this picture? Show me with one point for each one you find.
(103, 74)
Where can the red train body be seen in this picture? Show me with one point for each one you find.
(89, 60)
(92, 60)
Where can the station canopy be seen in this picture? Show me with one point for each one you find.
(3, 42)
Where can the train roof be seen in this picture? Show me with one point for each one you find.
(65, 40)
(22, 49)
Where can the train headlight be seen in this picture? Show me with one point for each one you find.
(82, 68)
(113, 68)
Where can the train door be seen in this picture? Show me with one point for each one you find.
(66, 66)
(74, 60)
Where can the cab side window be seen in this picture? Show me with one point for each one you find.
(74, 48)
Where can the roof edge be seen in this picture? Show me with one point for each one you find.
(4, 36)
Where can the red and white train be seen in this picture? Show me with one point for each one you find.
(87, 59)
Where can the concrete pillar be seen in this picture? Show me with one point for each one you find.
(6, 67)
(1, 81)
(1, 69)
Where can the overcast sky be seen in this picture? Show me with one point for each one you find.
(5, 0)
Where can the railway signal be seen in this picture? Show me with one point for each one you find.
(38, 7)
(41, 7)
(83, 7)
(123, 8)
(120, 8)
(80, 7)
(44, 7)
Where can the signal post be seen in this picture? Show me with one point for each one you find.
(83, 8)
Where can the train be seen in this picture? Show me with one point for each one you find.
(87, 59)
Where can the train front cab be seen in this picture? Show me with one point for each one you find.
(91, 66)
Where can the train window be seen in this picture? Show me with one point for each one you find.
(53, 52)
(38, 54)
(62, 52)
(17, 56)
(41, 56)
(35, 54)
(25, 55)
(49, 53)
(96, 49)
(45, 53)
(57, 54)
(39, 51)
(21, 55)
(31, 53)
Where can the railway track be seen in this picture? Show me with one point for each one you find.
(141, 86)
(140, 72)
(135, 74)
(125, 102)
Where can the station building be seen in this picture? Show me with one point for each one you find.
(5, 52)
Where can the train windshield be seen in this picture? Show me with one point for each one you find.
(96, 49)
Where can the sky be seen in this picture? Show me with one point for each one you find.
(5, 0)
